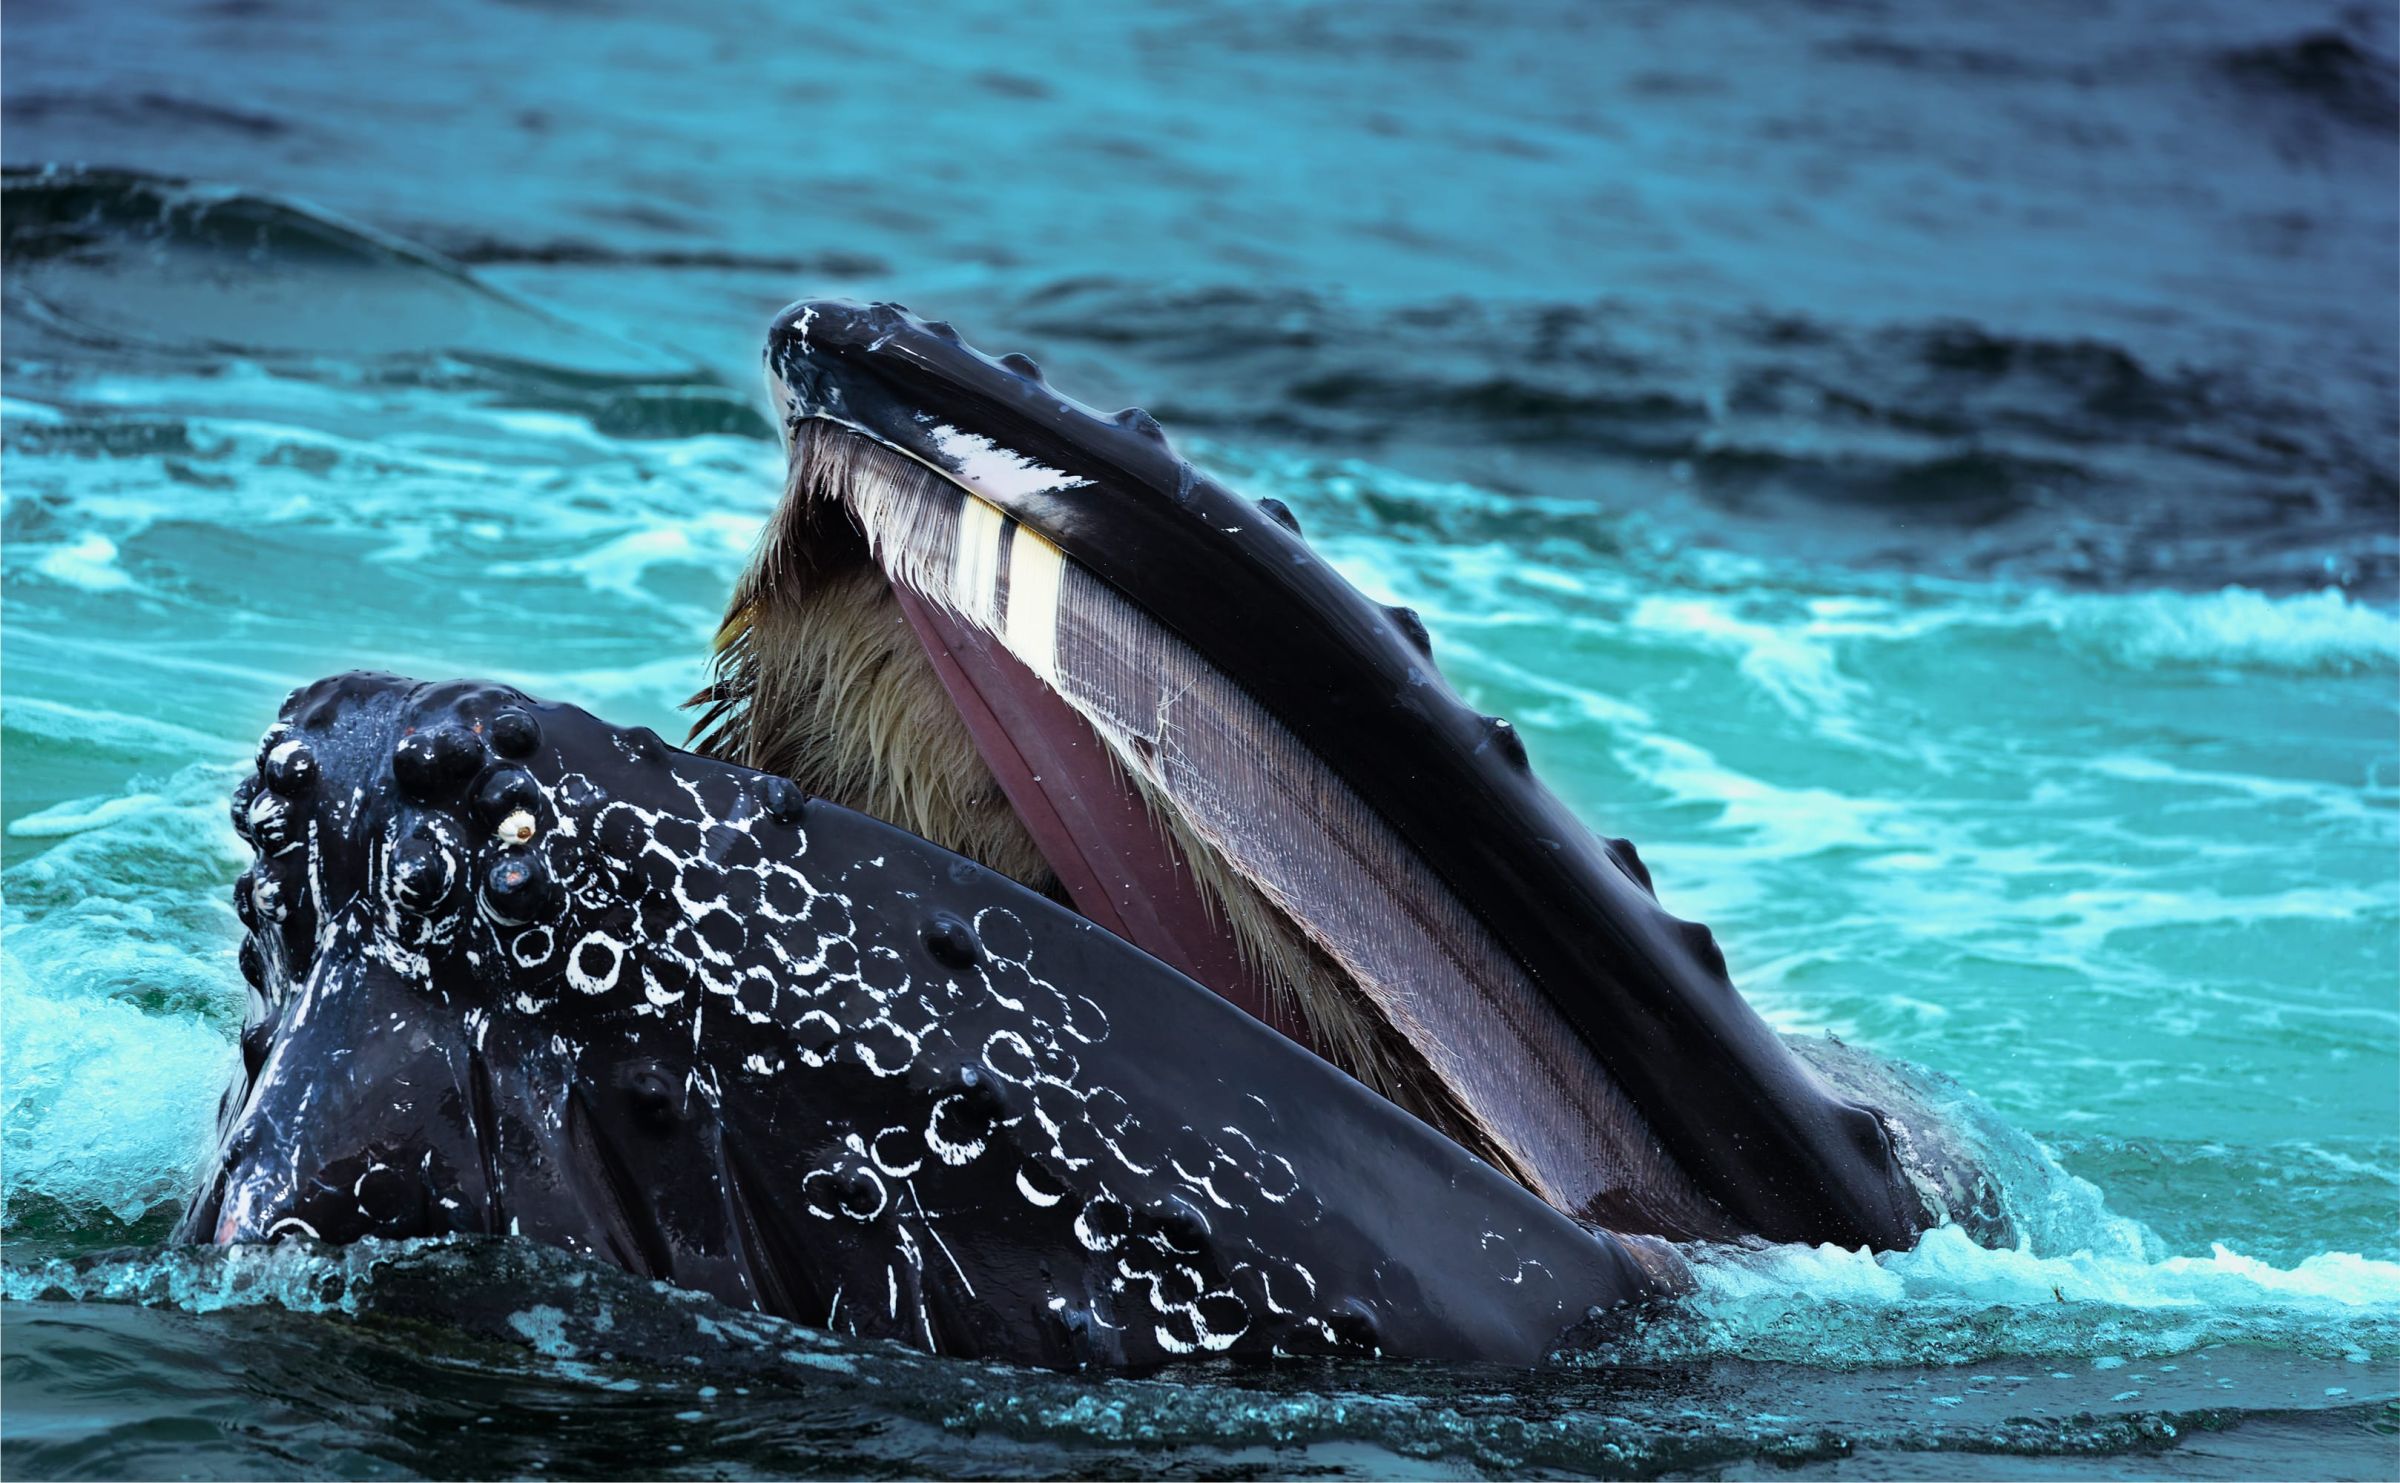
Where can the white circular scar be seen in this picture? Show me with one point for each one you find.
(517, 828)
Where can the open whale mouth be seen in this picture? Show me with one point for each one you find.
(1030, 633)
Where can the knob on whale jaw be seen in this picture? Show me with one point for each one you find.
(780, 1052)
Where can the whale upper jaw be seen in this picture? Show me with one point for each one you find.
(1096, 668)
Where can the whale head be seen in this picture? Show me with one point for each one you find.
(517, 972)
(1030, 632)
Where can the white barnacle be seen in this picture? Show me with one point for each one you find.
(1168, 1341)
(584, 964)
(659, 994)
(517, 828)
(533, 947)
(951, 1152)
(1210, 1339)
(265, 809)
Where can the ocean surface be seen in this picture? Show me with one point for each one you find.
(1927, 477)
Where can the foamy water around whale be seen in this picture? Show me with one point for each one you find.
(1961, 555)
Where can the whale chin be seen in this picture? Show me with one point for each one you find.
(1030, 633)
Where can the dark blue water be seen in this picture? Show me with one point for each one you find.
(1928, 477)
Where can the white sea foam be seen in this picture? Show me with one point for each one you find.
(107, 1103)
(88, 562)
(1790, 662)
(622, 564)
(2309, 633)
(119, 993)
(81, 814)
(1950, 1302)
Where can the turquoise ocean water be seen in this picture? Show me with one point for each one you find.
(1928, 480)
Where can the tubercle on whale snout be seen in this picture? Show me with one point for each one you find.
(524, 973)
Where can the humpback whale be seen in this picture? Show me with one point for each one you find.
(1086, 930)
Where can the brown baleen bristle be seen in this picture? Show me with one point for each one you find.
(822, 680)
(819, 677)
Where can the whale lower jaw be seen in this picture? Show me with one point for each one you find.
(518, 972)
